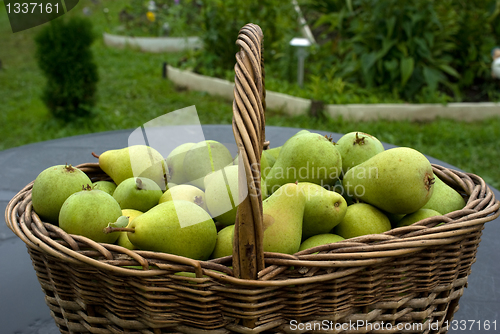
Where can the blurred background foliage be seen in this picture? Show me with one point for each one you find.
(368, 51)
(167, 18)
(64, 55)
(420, 51)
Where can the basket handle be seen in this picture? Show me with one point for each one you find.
(249, 133)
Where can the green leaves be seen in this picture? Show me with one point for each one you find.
(407, 66)
(416, 50)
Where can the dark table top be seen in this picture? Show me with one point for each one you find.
(22, 306)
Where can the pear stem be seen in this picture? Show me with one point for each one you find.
(95, 155)
(111, 229)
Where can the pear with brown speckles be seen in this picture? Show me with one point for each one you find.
(324, 209)
(399, 180)
(283, 212)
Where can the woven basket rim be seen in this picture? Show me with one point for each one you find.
(347, 256)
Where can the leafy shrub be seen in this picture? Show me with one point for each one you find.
(422, 51)
(393, 43)
(63, 54)
(222, 19)
(476, 30)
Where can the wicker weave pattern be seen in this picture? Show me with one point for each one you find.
(413, 274)
(410, 274)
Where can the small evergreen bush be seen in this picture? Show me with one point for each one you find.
(63, 54)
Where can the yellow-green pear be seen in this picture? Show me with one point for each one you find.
(224, 244)
(399, 180)
(53, 186)
(324, 209)
(137, 193)
(357, 147)
(309, 157)
(444, 199)
(417, 216)
(175, 227)
(267, 161)
(283, 213)
(134, 161)
(320, 239)
(88, 213)
(123, 238)
(263, 189)
(175, 163)
(203, 158)
(274, 151)
(106, 186)
(362, 219)
(221, 194)
(185, 192)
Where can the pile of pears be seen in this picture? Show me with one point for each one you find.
(315, 191)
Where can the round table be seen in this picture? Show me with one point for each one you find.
(22, 305)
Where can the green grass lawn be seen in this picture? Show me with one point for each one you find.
(131, 92)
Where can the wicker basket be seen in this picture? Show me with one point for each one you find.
(409, 279)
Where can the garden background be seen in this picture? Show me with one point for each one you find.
(368, 51)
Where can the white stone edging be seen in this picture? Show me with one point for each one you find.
(154, 44)
(294, 106)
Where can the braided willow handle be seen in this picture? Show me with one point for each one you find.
(249, 133)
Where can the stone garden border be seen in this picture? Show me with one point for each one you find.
(153, 44)
(293, 106)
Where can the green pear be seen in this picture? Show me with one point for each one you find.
(399, 180)
(53, 186)
(417, 216)
(221, 194)
(300, 133)
(185, 192)
(324, 209)
(106, 186)
(267, 161)
(175, 163)
(306, 158)
(88, 213)
(394, 218)
(362, 219)
(263, 189)
(339, 188)
(175, 227)
(137, 193)
(357, 147)
(283, 213)
(444, 199)
(203, 158)
(319, 239)
(224, 244)
(123, 238)
(134, 161)
(274, 152)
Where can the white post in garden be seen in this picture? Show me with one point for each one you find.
(301, 44)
